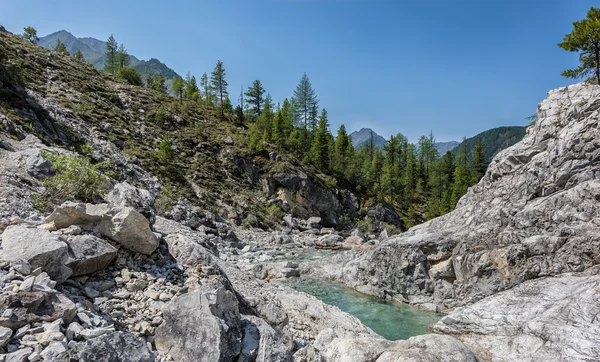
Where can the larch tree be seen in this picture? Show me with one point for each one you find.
(255, 95)
(479, 164)
(219, 84)
(178, 85)
(305, 98)
(111, 61)
(61, 47)
(158, 84)
(585, 39)
(30, 34)
(319, 149)
(122, 57)
(191, 90)
(78, 55)
(205, 87)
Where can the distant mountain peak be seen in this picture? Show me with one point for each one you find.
(93, 52)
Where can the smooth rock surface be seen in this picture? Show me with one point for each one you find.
(38, 247)
(88, 254)
(201, 326)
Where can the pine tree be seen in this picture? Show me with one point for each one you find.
(61, 48)
(219, 84)
(340, 160)
(320, 143)
(191, 90)
(166, 153)
(205, 87)
(178, 85)
(479, 165)
(389, 180)
(313, 117)
(239, 110)
(149, 81)
(585, 39)
(158, 84)
(305, 98)
(111, 62)
(461, 176)
(122, 57)
(265, 120)
(78, 55)
(278, 129)
(255, 96)
(375, 173)
(30, 34)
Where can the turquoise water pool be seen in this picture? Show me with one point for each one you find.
(391, 320)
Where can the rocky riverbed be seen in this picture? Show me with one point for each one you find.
(514, 268)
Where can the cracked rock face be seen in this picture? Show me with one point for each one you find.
(547, 319)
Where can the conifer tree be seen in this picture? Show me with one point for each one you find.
(149, 81)
(178, 85)
(219, 84)
(111, 61)
(60, 47)
(479, 165)
(122, 57)
(305, 98)
(158, 84)
(205, 87)
(340, 160)
(191, 90)
(30, 34)
(320, 144)
(239, 110)
(461, 176)
(78, 55)
(585, 39)
(255, 95)
(278, 136)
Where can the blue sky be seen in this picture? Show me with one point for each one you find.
(455, 67)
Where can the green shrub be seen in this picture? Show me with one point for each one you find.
(131, 76)
(75, 178)
(166, 200)
(274, 214)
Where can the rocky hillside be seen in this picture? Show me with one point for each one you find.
(70, 104)
(530, 228)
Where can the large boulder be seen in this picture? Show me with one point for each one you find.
(125, 195)
(201, 326)
(34, 306)
(130, 229)
(38, 247)
(88, 254)
(124, 225)
(114, 347)
(261, 343)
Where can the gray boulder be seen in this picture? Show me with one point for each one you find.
(328, 241)
(130, 229)
(201, 326)
(114, 347)
(35, 306)
(124, 225)
(38, 247)
(125, 195)
(88, 254)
